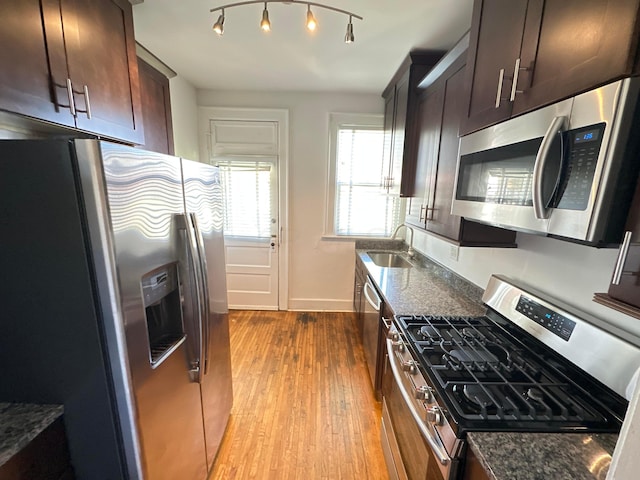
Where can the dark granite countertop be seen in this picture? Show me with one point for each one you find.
(20, 423)
(429, 288)
(424, 288)
(543, 456)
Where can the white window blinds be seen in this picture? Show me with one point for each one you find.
(247, 190)
(361, 209)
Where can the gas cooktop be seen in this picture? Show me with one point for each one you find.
(490, 375)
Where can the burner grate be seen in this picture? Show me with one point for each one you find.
(485, 375)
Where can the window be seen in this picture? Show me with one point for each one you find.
(357, 205)
(247, 185)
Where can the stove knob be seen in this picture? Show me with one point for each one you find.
(409, 366)
(394, 336)
(424, 393)
(434, 415)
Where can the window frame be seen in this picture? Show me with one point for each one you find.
(336, 122)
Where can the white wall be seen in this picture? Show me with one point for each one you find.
(568, 271)
(184, 115)
(320, 270)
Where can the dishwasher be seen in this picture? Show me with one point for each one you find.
(371, 328)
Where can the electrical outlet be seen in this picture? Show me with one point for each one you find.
(453, 252)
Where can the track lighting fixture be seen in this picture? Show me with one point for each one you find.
(349, 38)
(311, 20)
(265, 23)
(218, 27)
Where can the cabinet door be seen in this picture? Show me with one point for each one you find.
(430, 118)
(497, 28)
(399, 125)
(387, 144)
(101, 57)
(627, 288)
(25, 79)
(573, 46)
(156, 109)
(440, 220)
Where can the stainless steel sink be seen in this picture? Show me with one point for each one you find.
(388, 259)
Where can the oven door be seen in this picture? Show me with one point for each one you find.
(413, 450)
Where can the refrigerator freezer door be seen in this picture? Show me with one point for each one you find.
(146, 206)
(203, 199)
(61, 335)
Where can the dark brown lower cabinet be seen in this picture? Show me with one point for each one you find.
(439, 116)
(473, 469)
(46, 457)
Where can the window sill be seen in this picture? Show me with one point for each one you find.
(348, 238)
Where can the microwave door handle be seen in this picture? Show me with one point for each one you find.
(540, 210)
(205, 290)
(197, 370)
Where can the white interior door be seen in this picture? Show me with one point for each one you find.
(247, 154)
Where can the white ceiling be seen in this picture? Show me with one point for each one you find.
(289, 58)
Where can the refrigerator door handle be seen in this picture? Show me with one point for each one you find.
(196, 371)
(205, 289)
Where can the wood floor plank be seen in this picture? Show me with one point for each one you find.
(303, 405)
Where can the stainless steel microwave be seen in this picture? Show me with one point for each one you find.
(567, 170)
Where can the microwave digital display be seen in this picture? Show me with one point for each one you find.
(587, 136)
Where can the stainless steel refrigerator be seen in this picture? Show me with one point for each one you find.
(114, 303)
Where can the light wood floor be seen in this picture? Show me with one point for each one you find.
(303, 403)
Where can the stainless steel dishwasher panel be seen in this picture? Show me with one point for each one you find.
(371, 328)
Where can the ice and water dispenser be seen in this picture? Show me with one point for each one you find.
(163, 312)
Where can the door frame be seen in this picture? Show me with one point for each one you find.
(281, 117)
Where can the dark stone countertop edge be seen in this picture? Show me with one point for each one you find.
(20, 423)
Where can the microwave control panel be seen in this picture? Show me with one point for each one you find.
(549, 319)
(582, 150)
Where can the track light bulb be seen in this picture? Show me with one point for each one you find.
(265, 24)
(311, 20)
(349, 38)
(218, 27)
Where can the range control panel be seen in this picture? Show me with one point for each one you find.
(552, 321)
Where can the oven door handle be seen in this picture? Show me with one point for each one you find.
(437, 447)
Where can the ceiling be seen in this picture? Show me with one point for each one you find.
(289, 58)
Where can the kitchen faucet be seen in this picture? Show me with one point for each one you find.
(411, 252)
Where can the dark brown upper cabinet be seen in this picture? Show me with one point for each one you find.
(400, 125)
(524, 54)
(439, 116)
(156, 109)
(624, 290)
(72, 62)
(26, 85)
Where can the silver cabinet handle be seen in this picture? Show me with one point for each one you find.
(429, 213)
(557, 125)
(622, 258)
(72, 103)
(500, 83)
(87, 102)
(514, 84)
(387, 323)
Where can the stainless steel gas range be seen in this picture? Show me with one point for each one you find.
(531, 364)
